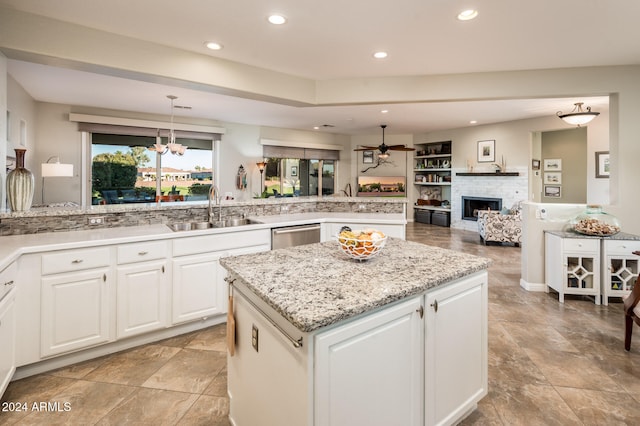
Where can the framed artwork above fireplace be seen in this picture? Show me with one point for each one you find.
(487, 151)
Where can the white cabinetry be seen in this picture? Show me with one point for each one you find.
(620, 267)
(455, 349)
(379, 359)
(572, 266)
(419, 361)
(195, 292)
(7, 325)
(76, 311)
(199, 289)
(143, 288)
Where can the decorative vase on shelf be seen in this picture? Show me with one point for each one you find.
(20, 184)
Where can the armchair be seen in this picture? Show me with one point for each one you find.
(500, 227)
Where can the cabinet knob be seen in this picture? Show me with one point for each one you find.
(77, 261)
(104, 278)
(420, 310)
(142, 253)
(434, 305)
(9, 283)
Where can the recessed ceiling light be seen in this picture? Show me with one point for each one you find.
(277, 19)
(384, 111)
(213, 45)
(473, 122)
(316, 127)
(467, 15)
(380, 55)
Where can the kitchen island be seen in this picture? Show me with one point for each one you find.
(322, 339)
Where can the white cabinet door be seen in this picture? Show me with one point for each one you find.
(369, 371)
(455, 349)
(572, 266)
(142, 298)
(199, 289)
(7, 339)
(197, 292)
(75, 310)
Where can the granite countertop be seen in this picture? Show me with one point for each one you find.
(574, 234)
(317, 285)
(13, 246)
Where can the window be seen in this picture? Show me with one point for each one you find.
(294, 171)
(124, 170)
(294, 177)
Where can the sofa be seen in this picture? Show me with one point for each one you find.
(503, 226)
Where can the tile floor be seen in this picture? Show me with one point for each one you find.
(549, 364)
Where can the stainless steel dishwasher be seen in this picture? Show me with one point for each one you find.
(289, 236)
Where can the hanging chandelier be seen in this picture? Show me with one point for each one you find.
(171, 146)
(578, 116)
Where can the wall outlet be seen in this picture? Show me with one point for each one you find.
(96, 220)
(254, 337)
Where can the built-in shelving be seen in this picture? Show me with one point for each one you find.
(432, 169)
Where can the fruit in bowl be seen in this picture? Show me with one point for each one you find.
(363, 244)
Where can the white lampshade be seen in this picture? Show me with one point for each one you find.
(57, 170)
(578, 116)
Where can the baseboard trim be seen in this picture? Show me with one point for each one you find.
(109, 348)
(533, 286)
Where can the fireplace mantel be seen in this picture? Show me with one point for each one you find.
(489, 174)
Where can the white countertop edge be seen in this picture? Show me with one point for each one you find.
(13, 246)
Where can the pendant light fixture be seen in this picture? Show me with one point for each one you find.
(578, 116)
(172, 146)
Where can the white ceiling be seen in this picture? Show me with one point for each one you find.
(335, 39)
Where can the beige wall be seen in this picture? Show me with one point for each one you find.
(570, 147)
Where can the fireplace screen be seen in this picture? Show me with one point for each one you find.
(471, 206)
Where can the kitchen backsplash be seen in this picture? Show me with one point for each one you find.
(76, 219)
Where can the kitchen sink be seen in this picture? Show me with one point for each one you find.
(226, 223)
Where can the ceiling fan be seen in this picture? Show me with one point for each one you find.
(383, 148)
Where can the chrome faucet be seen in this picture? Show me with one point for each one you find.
(214, 195)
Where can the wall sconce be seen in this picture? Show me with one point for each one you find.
(261, 166)
(55, 169)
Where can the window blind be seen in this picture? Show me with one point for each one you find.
(273, 151)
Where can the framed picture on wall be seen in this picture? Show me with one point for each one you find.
(487, 151)
(535, 164)
(552, 178)
(294, 170)
(552, 191)
(602, 164)
(367, 157)
(552, 164)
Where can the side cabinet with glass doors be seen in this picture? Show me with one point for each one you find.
(572, 266)
(619, 267)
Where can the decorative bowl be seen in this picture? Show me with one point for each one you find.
(362, 246)
(593, 221)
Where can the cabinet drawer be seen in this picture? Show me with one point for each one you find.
(621, 247)
(75, 260)
(581, 245)
(8, 279)
(220, 242)
(140, 252)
